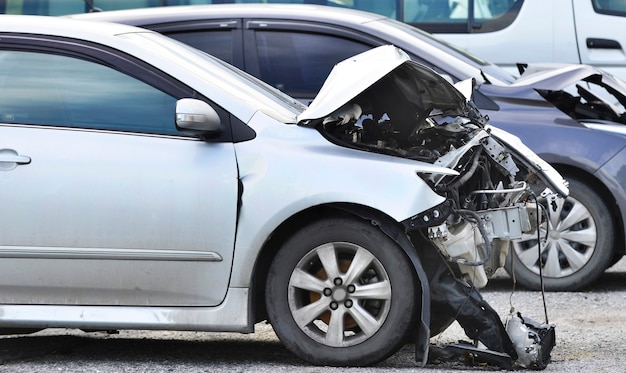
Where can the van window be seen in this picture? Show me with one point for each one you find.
(610, 7)
(461, 16)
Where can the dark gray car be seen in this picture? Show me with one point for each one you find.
(581, 134)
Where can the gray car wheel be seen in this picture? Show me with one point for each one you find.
(341, 293)
(578, 244)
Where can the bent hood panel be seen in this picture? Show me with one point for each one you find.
(556, 77)
(354, 75)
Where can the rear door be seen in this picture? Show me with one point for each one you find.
(297, 56)
(102, 200)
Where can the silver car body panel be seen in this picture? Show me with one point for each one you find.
(399, 195)
(53, 234)
(188, 239)
(230, 316)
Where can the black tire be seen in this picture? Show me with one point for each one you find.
(578, 248)
(370, 305)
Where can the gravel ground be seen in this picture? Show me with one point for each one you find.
(589, 328)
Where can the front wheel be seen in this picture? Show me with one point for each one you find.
(342, 293)
(578, 244)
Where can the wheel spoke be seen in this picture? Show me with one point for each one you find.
(552, 267)
(328, 257)
(304, 280)
(578, 214)
(586, 237)
(364, 319)
(377, 290)
(360, 263)
(575, 259)
(529, 257)
(305, 315)
(334, 335)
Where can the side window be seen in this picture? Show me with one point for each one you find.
(610, 7)
(299, 63)
(454, 16)
(48, 89)
(216, 43)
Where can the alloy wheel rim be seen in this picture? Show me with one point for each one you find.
(339, 294)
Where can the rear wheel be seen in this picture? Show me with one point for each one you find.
(579, 239)
(342, 293)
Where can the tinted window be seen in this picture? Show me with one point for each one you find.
(298, 63)
(611, 7)
(216, 43)
(57, 90)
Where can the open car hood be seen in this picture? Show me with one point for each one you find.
(560, 76)
(355, 75)
(583, 92)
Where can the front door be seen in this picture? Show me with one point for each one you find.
(102, 201)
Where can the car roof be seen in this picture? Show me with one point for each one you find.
(146, 16)
(440, 55)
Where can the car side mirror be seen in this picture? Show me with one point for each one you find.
(197, 117)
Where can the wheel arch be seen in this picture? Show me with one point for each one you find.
(386, 224)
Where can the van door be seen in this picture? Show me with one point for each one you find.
(599, 25)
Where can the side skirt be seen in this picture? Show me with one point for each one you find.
(233, 315)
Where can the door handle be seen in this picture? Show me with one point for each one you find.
(596, 43)
(11, 156)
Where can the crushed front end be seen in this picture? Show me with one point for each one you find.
(491, 199)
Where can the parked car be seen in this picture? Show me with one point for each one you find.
(148, 185)
(293, 47)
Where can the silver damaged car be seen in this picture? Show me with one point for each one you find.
(147, 185)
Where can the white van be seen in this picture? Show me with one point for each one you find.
(506, 32)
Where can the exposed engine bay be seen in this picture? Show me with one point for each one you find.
(429, 124)
(413, 113)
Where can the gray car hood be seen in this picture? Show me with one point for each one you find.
(556, 77)
(354, 75)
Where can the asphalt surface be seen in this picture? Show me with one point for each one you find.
(590, 326)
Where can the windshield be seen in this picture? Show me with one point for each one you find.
(238, 83)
